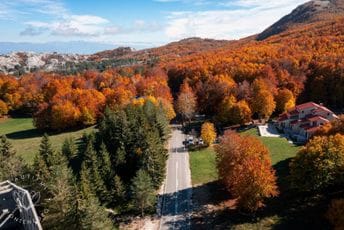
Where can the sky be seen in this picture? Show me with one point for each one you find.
(136, 23)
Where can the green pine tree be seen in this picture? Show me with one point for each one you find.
(120, 155)
(6, 148)
(11, 166)
(105, 164)
(46, 151)
(61, 206)
(118, 191)
(143, 192)
(69, 149)
(41, 169)
(154, 158)
(97, 182)
(85, 184)
(162, 124)
(92, 215)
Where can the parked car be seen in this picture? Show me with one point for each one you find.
(189, 141)
(200, 141)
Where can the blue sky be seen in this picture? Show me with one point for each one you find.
(136, 23)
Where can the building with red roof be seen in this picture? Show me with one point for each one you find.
(302, 121)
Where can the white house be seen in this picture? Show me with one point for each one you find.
(302, 121)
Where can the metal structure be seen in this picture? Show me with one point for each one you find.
(16, 208)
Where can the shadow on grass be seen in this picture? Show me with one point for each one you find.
(282, 174)
(25, 134)
(32, 133)
(177, 208)
(215, 209)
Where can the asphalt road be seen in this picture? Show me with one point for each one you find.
(176, 200)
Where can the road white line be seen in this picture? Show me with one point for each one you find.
(176, 198)
(176, 190)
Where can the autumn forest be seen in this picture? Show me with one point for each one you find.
(122, 163)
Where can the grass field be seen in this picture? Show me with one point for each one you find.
(281, 152)
(280, 149)
(25, 138)
(289, 210)
(203, 166)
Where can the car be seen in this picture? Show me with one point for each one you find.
(190, 142)
(200, 141)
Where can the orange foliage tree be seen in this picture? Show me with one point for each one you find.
(244, 167)
(186, 102)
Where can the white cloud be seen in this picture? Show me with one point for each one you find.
(71, 25)
(250, 17)
(138, 26)
(17, 9)
(79, 25)
(87, 26)
(194, 2)
(88, 19)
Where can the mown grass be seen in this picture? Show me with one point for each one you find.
(203, 166)
(280, 149)
(25, 138)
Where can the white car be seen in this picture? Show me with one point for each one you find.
(200, 141)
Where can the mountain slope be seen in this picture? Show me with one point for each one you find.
(310, 12)
(18, 63)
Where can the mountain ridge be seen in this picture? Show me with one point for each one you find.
(309, 12)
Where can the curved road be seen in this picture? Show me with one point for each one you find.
(176, 200)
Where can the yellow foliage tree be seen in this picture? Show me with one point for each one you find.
(168, 108)
(262, 101)
(233, 112)
(208, 133)
(284, 100)
(319, 164)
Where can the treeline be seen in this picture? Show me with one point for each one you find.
(71, 68)
(113, 171)
(61, 102)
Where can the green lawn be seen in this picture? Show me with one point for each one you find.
(280, 148)
(25, 138)
(203, 166)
